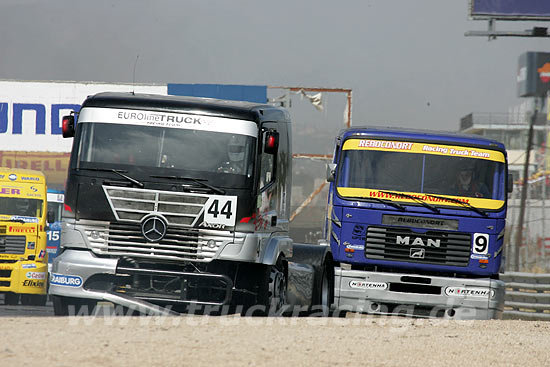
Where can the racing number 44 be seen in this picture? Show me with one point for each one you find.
(226, 209)
(221, 210)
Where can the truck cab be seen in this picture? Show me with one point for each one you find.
(23, 223)
(175, 201)
(416, 221)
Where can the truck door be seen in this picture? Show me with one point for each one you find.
(268, 183)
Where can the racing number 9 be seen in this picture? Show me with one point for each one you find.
(480, 243)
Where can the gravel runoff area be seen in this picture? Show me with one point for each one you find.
(241, 341)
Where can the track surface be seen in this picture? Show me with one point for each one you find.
(32, 337)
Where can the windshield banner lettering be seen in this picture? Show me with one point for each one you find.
(15, 218)
(412, 147)
(167, 120)
(368, 193)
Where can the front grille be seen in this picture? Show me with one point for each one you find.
(131, 205)
(182, 212)
(5, 273)
(5, 283)
(382, 244)
(183, 244)
(12, 244)
(128, 239)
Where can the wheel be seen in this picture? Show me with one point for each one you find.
(272, 293)
(324, 294)
(34, 299)
(69, 306)
(11, 299)
(277, 290)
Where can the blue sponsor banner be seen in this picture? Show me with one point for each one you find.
(250, 93)
(40, 120)
(66, 280)
(510, 9)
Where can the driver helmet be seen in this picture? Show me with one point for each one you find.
(235, 148)
(22, 206)
(466, 172)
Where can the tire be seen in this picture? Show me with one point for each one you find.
(270, 288)
(325, 292)
(34, 299)
(11, 299)
(273, 290)
(69, 306)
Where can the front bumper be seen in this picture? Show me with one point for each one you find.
(82, 274)
(423, 296)
(73, 268)
(25, 277)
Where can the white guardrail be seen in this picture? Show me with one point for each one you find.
(527, 296)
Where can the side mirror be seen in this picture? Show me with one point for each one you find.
(51, 216)
(271, 144)
(331, 172)
(67, 127)
(510, 182)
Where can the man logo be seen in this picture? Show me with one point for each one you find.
(417, 253)
(406, 240)
(153, 228)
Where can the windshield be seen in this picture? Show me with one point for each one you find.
(412, 172)
(21, 207)
(178, 149)
(57, 209)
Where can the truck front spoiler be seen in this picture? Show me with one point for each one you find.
(84, 266)
(418, 295)
(223, 278)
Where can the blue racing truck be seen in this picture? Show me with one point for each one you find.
(415, 222)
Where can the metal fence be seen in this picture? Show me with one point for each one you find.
(527, 296)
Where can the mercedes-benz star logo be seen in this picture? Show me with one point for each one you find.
(153, 228)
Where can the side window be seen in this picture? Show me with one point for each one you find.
(267, 168)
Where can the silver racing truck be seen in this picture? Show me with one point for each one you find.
(182, 203)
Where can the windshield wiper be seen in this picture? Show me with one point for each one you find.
(464, 204)
(198, 181)
(118, 172)
(418, 200)
(387, 202)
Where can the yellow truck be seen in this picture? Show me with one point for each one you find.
(23, 224)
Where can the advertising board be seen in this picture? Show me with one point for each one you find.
(510, 9)
(31, 112)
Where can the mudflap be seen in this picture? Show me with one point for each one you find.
(307, 268)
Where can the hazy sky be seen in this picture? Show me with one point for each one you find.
(408, 62)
